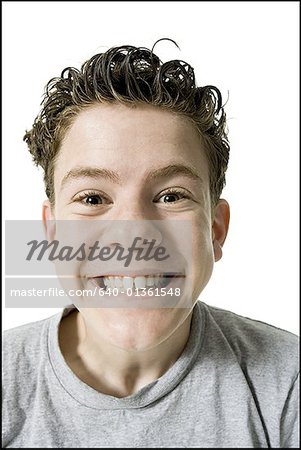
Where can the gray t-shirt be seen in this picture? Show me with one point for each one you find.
(235, 385)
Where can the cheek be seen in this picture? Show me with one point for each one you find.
(61, 212)
(202, 257)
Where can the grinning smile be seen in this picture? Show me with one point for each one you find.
(153, 281)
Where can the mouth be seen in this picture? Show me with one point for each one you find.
(122, 282)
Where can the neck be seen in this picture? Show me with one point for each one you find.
(113, 370)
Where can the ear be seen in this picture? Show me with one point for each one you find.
(48, 218)
(220, 227)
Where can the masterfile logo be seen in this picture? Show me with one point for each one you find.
(99, 263)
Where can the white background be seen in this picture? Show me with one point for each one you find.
(249, 49)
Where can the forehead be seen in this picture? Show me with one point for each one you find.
(114, 122)
(127, 137)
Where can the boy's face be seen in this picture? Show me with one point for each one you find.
(133, 146)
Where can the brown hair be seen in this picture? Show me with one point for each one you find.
(129, 75)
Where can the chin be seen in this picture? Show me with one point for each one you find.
(140, 329)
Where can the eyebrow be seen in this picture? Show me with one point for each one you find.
(174, 169)
(163, 172)
(90, 172)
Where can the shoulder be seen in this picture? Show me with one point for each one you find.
(268, 359)
(22, 349)
(257, 344)
(21, 332)
(19, 338)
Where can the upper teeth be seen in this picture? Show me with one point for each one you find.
(133, 282)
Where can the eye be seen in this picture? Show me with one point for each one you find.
(171, 196)
(91, 199)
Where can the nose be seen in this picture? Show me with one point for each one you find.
(125, 232)
(131, 220)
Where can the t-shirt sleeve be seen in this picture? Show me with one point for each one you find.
(289, 426)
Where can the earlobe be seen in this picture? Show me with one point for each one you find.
(220, 227)
(48, 220)
(217, 250)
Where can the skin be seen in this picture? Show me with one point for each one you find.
(116, 351)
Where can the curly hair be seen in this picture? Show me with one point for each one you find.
(129, 75)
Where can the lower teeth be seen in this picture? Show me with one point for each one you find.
(134, 288)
